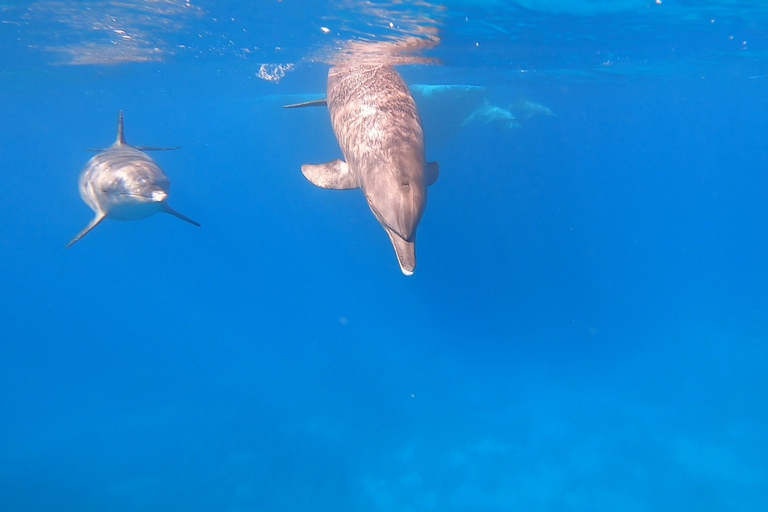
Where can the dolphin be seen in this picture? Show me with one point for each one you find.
(122, 182)
(488, 113)
(378, 127)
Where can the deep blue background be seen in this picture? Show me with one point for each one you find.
(586, 328)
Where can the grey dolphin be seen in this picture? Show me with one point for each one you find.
(122, 182)
(379, 130)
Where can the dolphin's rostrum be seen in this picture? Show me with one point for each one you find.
(379, 130)
(122, 182)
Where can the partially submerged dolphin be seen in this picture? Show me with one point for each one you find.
(124, 183)
(379, 130)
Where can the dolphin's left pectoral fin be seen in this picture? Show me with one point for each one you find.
(433, 172)
(95, 222)
(406, 252)
(335, 175)
(168, 209)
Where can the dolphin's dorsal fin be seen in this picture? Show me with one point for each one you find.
(316, 103)
(119, 141)
(120, 137)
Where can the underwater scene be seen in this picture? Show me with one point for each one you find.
(212, 302)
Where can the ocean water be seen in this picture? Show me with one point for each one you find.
(586, 329)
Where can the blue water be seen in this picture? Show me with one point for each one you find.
(586, 329)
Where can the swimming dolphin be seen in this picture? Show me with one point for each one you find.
(124, 183)
(488, 113)
(379, 130)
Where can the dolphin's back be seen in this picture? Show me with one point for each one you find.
(379, 130)
(372, 110)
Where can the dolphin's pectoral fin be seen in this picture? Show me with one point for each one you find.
(95, 222)
(316, 103)
(433, 171)
(336, 175)
(168, 209)
(406, 252)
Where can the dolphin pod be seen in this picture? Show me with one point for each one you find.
(378, 127)
(122, 182)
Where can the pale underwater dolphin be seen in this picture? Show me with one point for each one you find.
(523, 110)
(379, 130)
(124, 183)
(488, 113)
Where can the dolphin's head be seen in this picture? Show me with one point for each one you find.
(141, 188)
(397, 196)
(128, 186)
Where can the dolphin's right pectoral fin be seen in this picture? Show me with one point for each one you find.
(95, 222)
(433, 172)
(406, 252)
(168, 209)
(336, 175)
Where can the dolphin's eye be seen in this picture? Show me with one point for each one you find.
(405, 184)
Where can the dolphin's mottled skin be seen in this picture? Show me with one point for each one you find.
(124, 183)
(379, 130)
